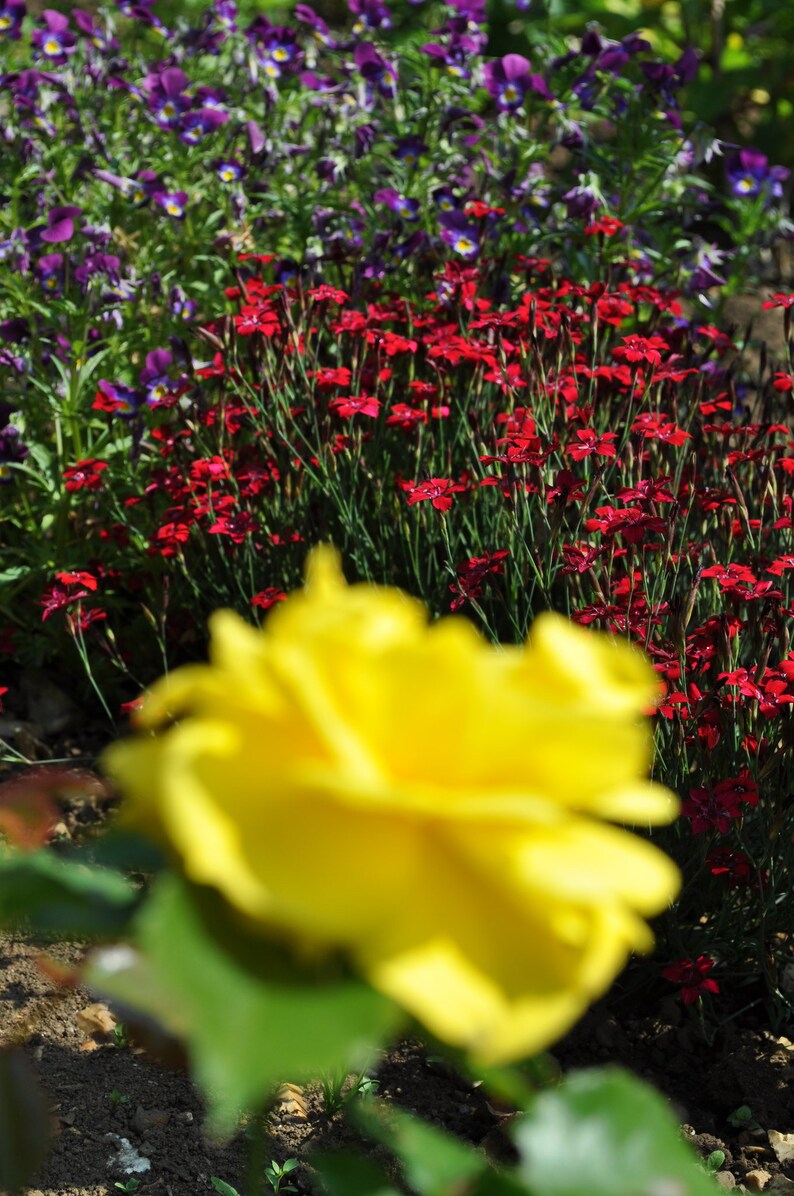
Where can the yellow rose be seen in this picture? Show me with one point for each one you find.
(360, 779)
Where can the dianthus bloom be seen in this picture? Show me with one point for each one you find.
(447, 798)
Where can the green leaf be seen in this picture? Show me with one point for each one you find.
(221, 1186)
(344, 1173)
(433, 1162)
(250, 1015)
(55, 896)
(24, 1122)
(605, 1133)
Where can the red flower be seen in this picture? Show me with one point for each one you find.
(267, 598)
(78, 579)
(693, 978)
(608, 225)
(778, 300)
(349, 405)
(591, 442)
(85, 475)
(641, 348)
(437, 491)
(716, 808)
(236, 527)
(473, 573)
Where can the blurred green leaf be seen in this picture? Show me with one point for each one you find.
(250, 1015)
(433, 1162)
(49, 895)
(24, 1122)
(344, 1173)
(605, 1133)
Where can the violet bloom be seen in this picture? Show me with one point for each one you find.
(157, 385)
(229, 170)
(54, 42)
(49, 269)
(462, 237)
(60, 222)
(14, 251)
(749, 174)
(12, 451)
(99, 265)
(118, 399)
(455, 55)
(375, 69)
(407, 208)
(277, 50)
(224, 14)
(194, 126)
(509, 79)
(703, 274)
(167, 96)
(410, 149)
(180, 307)
(93, 32)
(12, 13)
(319, 28)
(370, 15)
(172, 202)
(582, 202)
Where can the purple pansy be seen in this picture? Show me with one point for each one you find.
(509, 79)
(60, 225)
(407, 208)
(749, 174)
(49, 270)
(461, 236)
(12, 450)
(54, 42)
(375, 69)
(173, 203)
(12, 13)
(119, 399)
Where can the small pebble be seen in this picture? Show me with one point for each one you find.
(757, 1180)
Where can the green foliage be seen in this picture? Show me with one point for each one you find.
(610, 1128)
(51, 896)
(24, 1122)
(249, 1013)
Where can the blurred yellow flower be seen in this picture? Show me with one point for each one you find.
(429, 803)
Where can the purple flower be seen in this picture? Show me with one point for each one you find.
(172, 202)
(409, 149)
(407, 208)
(179, 305)
(12, 450)
(277, 50)
(749, 174)
(167, 96)
(54, 42)
(703, 275)
(509, 79)
(318, 26)
(229, 170)
(49, 269)
(375, 69)
(369, 14)
(102, 265)
(194, 126)
(157, 385)
(11, 15)
(119, 399)
(60, 223)
(92, 31)
(456, 55)
(582, 202)
(462, 237)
